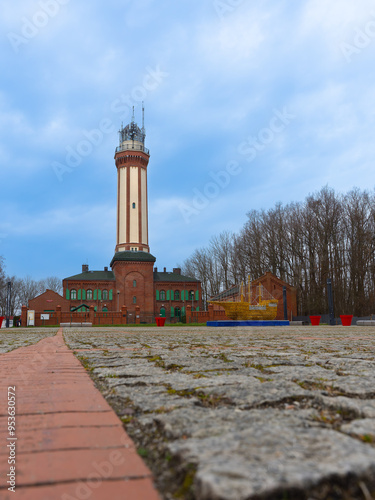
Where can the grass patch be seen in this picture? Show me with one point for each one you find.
(142, 452)
(223, 357)
(366, 438)
(187, 483)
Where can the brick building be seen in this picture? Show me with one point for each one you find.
(132, 280)
(274, 286)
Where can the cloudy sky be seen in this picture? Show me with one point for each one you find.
(248, 103)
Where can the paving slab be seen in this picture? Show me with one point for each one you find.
(243, 414)
(64, 438)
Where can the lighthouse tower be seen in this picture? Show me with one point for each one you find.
(133, 263)
(131, 159)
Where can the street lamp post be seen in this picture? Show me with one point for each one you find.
(9, 291)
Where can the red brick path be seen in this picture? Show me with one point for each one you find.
(70, 444)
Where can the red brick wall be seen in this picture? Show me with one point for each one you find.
(48, 301)
(167, 304)
(275, 287)
(111, 305)
(125, 273)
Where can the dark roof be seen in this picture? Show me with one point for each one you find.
(177, 278)
(93, 276)
(234, 290)
(133, 257)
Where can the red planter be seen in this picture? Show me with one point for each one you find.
(1, 320)
(346, 319)
(160, 321)
(315, 320)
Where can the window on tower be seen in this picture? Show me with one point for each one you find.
(134, 299)
(133, 205)
(73, 294)
(105, 294)
(89, 294)
(134, 283)
(162, 294)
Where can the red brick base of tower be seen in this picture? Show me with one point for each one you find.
(135, 285)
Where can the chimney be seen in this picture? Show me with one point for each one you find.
(165, 269)
(106, 269)
(85, 268)
(155, 269)
(177, 270)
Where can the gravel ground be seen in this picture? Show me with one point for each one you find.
(244, 413)
(12, 338)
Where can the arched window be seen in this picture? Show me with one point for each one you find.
(105, 309)
(191, 295)
(73, 294)
(134, 283)
(162, 294)
(177, 312)
(105, 294)
(177, 295)
(134, 299)
(89, 294)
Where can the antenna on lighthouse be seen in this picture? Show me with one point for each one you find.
(133, 117)
(143, 116)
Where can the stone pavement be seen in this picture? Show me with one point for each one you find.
(68, 443)
(246, 413)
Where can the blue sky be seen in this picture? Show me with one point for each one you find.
(248, 103)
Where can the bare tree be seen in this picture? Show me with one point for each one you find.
(28, 289)
(326, 236)
(15, 303)
(51, 283)
(221, 250)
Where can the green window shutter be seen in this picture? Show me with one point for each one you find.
(67, 294)
(83, 294)
(79, 294)
(99, 295)
(157, 294)
(95, 308)
(197, 295)
(183, 311)
(172, 294)
(182, 295)
(197, 309)
(111, 295)
(95, 294)
(172, 312)
(168, 295)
